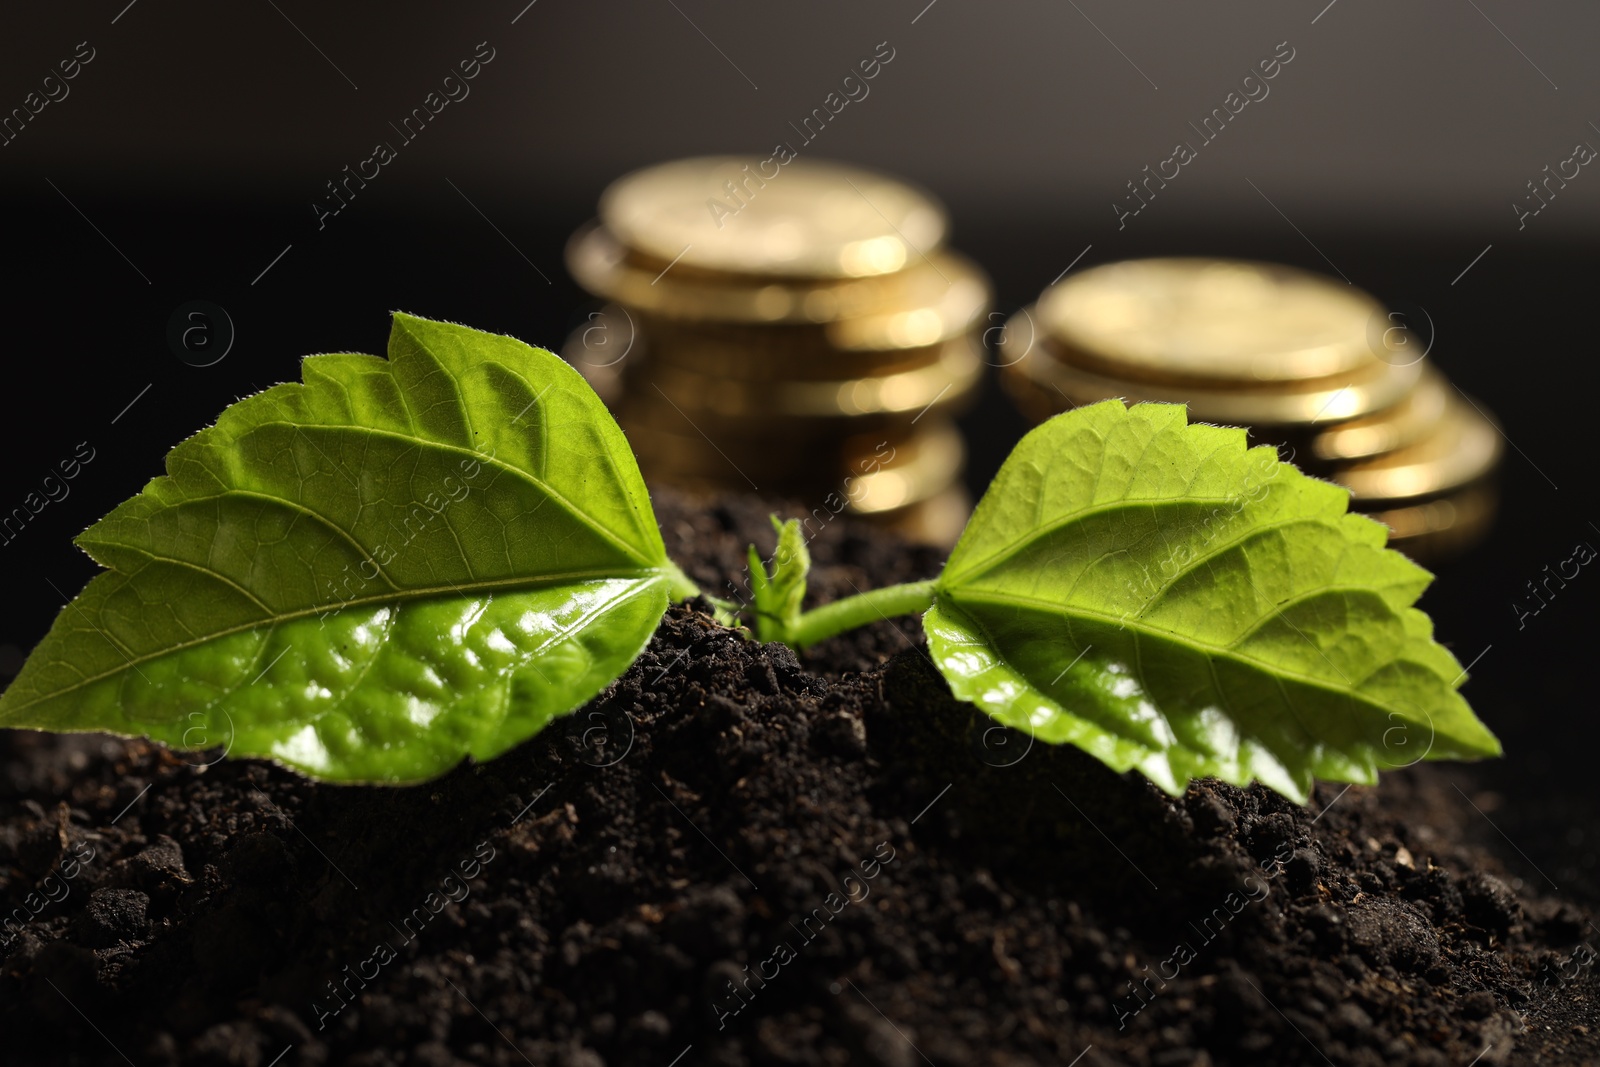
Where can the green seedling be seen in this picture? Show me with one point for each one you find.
(402, 562)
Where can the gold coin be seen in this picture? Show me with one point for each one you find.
(1437, 529)
(938, 312)
(800, 219)
(944, 280)
(900, 339)
(690, 459)
(732, 404)
(937, 521)
(1462, 448)
(611, 343)
(1213, 321)
(868, 474)
(1042, 375)
(657, 430)
(914, 468)
(791, 442)
(599, 348)
(770, 353)
(1036, 402)
(1413, 417)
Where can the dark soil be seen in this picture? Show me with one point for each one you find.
(735, 857)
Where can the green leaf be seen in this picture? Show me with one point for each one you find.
(1168, 600)
(777, 596)
(370, 575)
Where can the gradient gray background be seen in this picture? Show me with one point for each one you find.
(1417, 116)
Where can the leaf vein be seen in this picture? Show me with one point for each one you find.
(529, 477)
(1043, 532)
(1067, 613)
(383, 598)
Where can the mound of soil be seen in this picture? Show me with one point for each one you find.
(737, 857)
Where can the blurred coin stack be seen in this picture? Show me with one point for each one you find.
(795, 328)
(1303, 360)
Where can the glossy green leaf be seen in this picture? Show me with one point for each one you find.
(1168, 600)
(370, 575)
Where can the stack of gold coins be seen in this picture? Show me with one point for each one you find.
(1305, 361)
(794, 328)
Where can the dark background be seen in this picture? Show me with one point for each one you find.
(188, 153)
